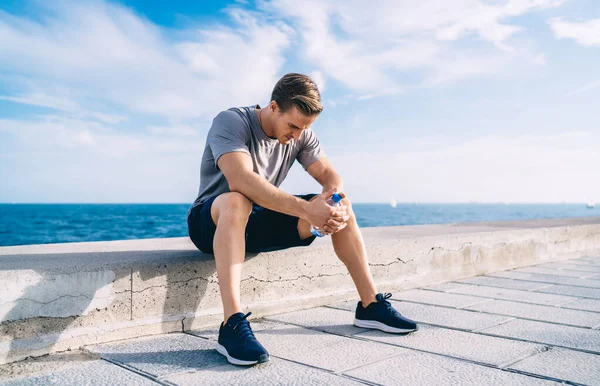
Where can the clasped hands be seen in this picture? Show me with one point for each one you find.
(330, 219)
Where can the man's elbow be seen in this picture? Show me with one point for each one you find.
(235, 187)
(237, 184)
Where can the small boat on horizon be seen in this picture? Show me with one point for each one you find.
(393, 203)
(591, 205)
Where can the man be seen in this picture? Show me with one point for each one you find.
(239, 208)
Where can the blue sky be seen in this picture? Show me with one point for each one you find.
(430, 101)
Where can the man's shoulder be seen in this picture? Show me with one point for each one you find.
(233, 113)
(307, 136)
(233, 118)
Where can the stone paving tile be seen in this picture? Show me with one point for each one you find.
(553, 334)
(35, 366)
(323, 319)
(510, 294)
(584, 304)
(441, 287)
(557, 264)
(588, 265)
(550, 279)
(435, 296)
(318, 349)
(315, 348)
(212, 333)
(491, 281)
(348, 306)
(557, 272)
(440, 316)
(591, 268)
(541, 313)
(416, 368)
(438, 298)
(564, 364)
(481, 348)
(584, 292)
(589, 259)
(162, 355)
(448, 317)
(96, 372)
(274, 372)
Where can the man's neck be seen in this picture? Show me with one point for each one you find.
(264, 118)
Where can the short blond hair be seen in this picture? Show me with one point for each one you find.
(297, 90)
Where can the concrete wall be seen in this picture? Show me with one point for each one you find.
(57, 297)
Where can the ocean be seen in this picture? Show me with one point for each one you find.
(22, 224)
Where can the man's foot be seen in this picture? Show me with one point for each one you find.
(382, 316)
(238, 344)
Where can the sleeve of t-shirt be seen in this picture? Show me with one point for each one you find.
(311, 150)
(227, 134)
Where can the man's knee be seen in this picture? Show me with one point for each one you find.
(348, 204)
(232, 206)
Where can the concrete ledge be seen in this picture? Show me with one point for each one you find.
(58, 297)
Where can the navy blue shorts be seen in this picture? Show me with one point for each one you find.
(266, 230)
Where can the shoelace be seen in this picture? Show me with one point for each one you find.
(387, 304)
(243, 328)
(386, 296)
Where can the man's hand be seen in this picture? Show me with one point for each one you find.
(328, 218)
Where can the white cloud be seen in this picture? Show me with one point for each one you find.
(585, 33)
(539, 59)
(585, 88)
(44, 100)
(61, 159)
(99, 64)
(56, 133)
(112, 56)
(528, 168)
(319, 79)
(105, 53)
(86, 161)
(107, 118)
(85, 138)
(366, 47)
(179, 131)
(456, 66)
(63, 104)
(437, 17)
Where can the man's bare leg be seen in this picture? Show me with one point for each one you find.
(349, 247)
(230, 212)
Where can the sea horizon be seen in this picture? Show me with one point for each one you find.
(43, 223)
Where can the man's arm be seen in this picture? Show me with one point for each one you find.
(238, 170)
(325, 174)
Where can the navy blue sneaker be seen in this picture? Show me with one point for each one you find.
(382, 316)
(238, 343)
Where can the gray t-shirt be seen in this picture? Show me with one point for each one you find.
(238, 129)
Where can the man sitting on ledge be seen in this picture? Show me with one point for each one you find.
(248, 153)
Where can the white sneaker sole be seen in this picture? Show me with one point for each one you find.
(223, 351)
(380, 326)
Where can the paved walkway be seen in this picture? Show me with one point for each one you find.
(531, 326)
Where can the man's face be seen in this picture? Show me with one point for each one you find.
(291, 124)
